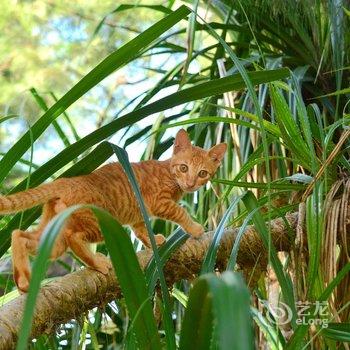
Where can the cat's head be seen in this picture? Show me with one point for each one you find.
(191, 166)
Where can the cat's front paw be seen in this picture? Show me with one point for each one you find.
(196, 230)
(160, 239)
(22, 279)
(22, 283)
(102, 263)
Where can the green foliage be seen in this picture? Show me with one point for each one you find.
(217, 314)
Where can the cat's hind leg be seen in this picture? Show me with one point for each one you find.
(26, 243)
(23, 244)
(77, 241)
(82, 230)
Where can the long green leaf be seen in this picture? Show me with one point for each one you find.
(289, 129)
(234, 252)
(173, 242)
(314, 230)
(280, 185)
(124, 161)
(284, 280)
(210, 256)
(337, 331)
(42, 104)
(125, 7)
(220, 302)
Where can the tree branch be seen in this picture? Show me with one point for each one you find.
(70, 296)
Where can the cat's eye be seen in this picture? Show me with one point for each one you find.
(183, 168)
(203, 173)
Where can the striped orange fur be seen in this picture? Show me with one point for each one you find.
(162, 184)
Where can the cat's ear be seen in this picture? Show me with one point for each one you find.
(217, 152)
(182, 141)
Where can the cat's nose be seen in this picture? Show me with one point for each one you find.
(190, 184)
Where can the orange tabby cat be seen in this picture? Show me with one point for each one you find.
(162, 184)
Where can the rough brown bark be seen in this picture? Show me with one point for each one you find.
(70, 296)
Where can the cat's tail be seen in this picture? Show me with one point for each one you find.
(28, 199)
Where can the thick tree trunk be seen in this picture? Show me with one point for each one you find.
(70, 296)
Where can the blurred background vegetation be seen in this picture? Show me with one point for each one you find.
(288, 137)
(51, 45)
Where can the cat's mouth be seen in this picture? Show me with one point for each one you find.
(189, 189)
